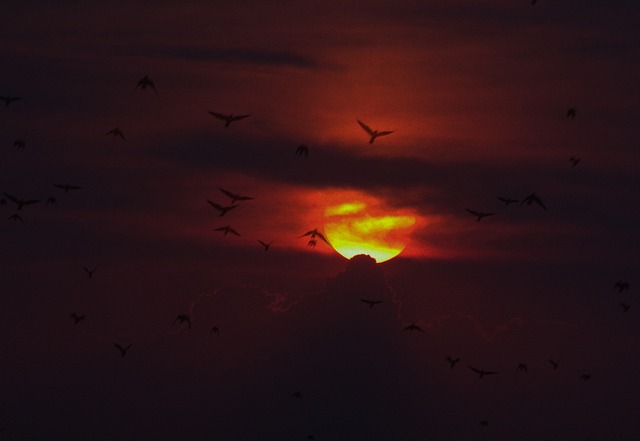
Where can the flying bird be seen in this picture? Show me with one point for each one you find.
(373, 133)
(235, 196)
(67, 187)
(554, 363)
(265, 244)
(371, 303)
(123, 350)
(214, 330)
(571, 112)
(585, 377)
(116, 132)
(302, 150)
(530, 199)
(413, 327)
(522, 368)
(20, 202)
(508, 201)
(182, 318)
(484, 423)
(452, 361)
(228, 119)
(9, 99)
(16, 217)
(481, 372)
(89, 272)
(621, 286)
(313, 234)
(52, 201)
(76, 318)
(227, 229)
(19, 144)
(297, 396)
(220, 208)
(479, 214)
(574, 161)
(625, 307)
(146, 82)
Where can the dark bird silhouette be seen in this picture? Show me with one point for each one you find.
(452, 361)
(16, 217)
(479, 214)
(265, 244)
(522, 368)
(533, 198)
(214, 330)
(235, 197)
(220, 208)
(571, 112)
(373, 133)
(508, 201)
(146, 82)
(20, 202)
(371, 303)
(67, 187)
(52, 201)
(297, 396)
(123, 350)
(585, 377)
(89, 272)
(116, 132)
(483, 424)
(554, 364)
(182, 318)
(621, 286)
(9, 99)
(413, 327)
(228, 119)
(625, 307)
(313, 234)
(574, 161)
(302, 150)
(227, 229)
(19, 144)
(481, 372)
(76, 318)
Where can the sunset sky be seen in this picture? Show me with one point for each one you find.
(476, 93)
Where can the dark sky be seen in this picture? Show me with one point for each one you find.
(476, 93)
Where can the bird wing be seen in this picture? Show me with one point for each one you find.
(214, 205)
(477, 371)
(365, 127)
(219, 115)
(386, 132)
(239, 117)
(231, 230)
(12, 198)
(475, 213)
(228, 193)
(321, 236)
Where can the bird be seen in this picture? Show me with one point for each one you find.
(481, 372)
(479, 214)
(146, 82)
(373, 133)
(123, 350)
(413, 327)
(625, 307)
(522, 367)
(265, 244)
(452, 361)
(574, 160)
(371, 303)
(20, 202)
(9, 99)
(530, 199)
(220, 208)
(484, 423)
(89, 272)
(621, 286)
(554, 363)
(214, 330)
(228, 119)
(52, 201)
(116, 132)
(182, 318)
(19, 144)
(585, 377)
(67, 187)
(297, 396)
(313, 234)
(16, 217)
(302, 150)
(235, 197)
(571, 112)
(507, 201)
(76, 318)
(227, 229)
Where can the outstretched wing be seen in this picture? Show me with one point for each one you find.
(365, 127)
(239, 117)
(386, 132)
(221, 116)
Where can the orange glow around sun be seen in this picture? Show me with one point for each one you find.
(356, 227)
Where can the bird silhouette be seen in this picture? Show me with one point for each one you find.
(554, 363)
(116, 132)
(571, 112)
(483, 424)
(146, 82)
(265, 244)
(533, 198)
(227, 229)
(20, 144)
(625, 307)
(220, 208)
(214, 330)
(123, 350)
(452, 361)
(481, 372)
(20, 202)
(373, 133)
(371, 303)
(16, 217)
(302, 150)
(522, 368)
(621, 286)
(235, 197)
(9, 99)
(182, 318)
(413, 327)
(585, 377)
(313, 234)
(574, 161)
(479, 214)
(89, 272)
(508, 201)
(228, 119)
(52, 201)
(76, 318)
(297, 395)
(67, 187)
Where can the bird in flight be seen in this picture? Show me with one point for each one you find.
(235, 196)
(214, 330)
(16, 217)
(452, 361)
(522, 368)
(182, 318)
(67, 187)
(116, 132)
(220, 208)
(227, 229)
(228, 119)
(571, 112)
(297, 396)
(52, 201)
(146, 82)
(481, 372)
(585, 377)
(313, 234)
(123, 350)
(89, 272)
(574, 160)
(9, 99)
(76, 318)
(625, 307)
(530, 199)
(479, 214)
(371, 303)
(621, 286)
(508, 201)
(554, 363)
(413, 327)
(20, 202)
(373, 133)
(19, 144)
(265, 244)
(302, 150)
(484, 423)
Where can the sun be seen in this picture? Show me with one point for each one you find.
(355, 228)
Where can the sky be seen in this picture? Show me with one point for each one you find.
(279, 344)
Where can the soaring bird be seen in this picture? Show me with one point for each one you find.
(452, 361)
(228, 119)
(313, 234)
(554, 363)
(373, 133)
(235, 197)
(52, 201)
(621, 286)
(146, 82)
(266, 245)
(484, 423)
(371, 303)
(479, 214)
(530, 199)
(508, 201)
(227, 229)
(76, 318)
(585, 377)
(89, 272)
(67, 187)
(116, 132)
(481, 372)
(20, 202)
(522, 367)
(302, 150)
(220, 208)
(182, 318)
(9, 99)
(413, 327)
(625, 306)
(574, 160)
(297, 396)
(214, 330)
(123, 350)
(19, 144)
(571, 112)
